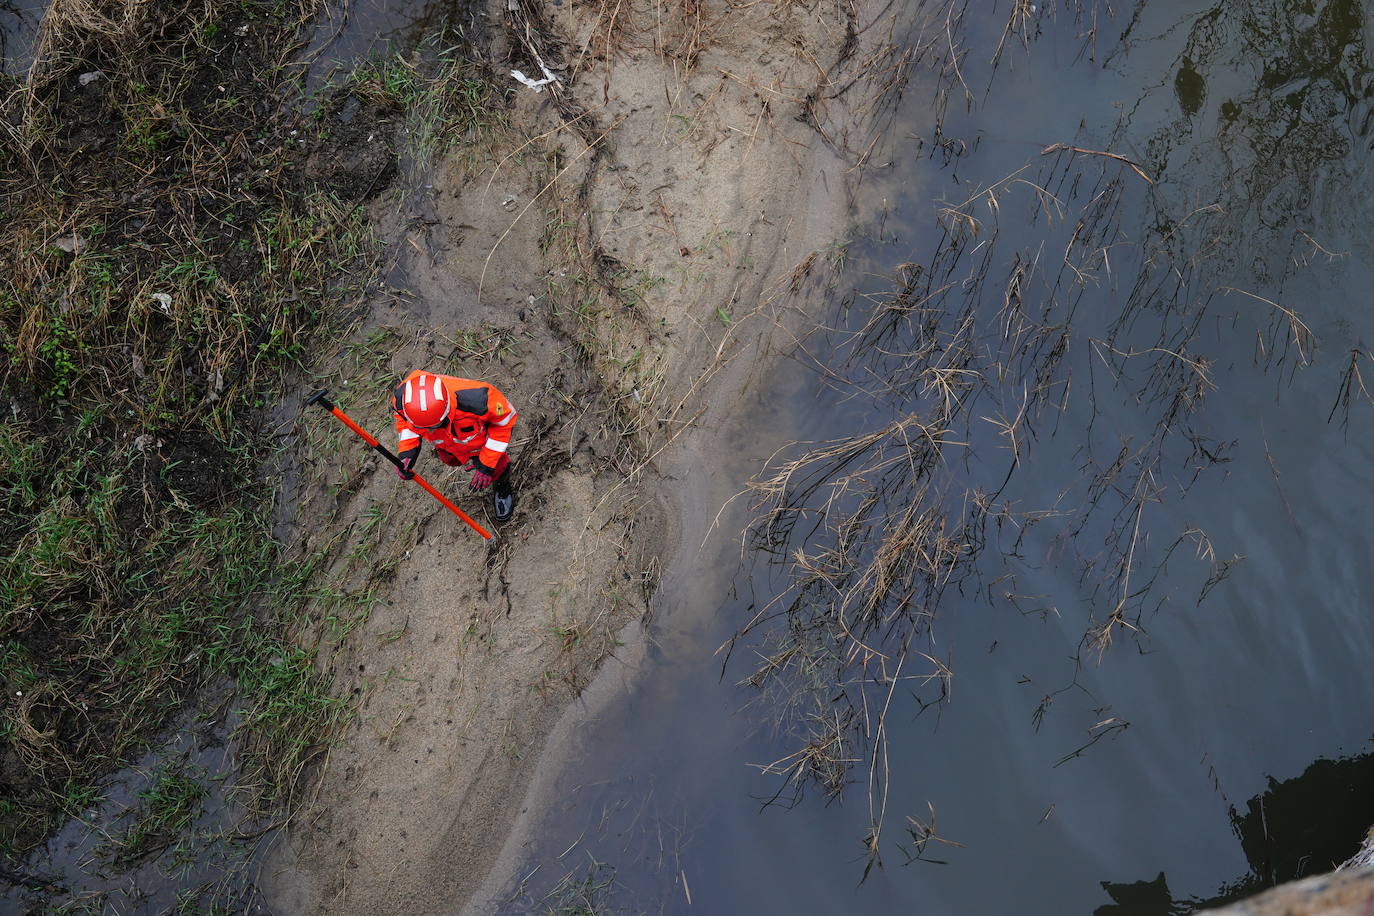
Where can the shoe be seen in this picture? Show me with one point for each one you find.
(503, 504)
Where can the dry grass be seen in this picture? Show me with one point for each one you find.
(679, 30)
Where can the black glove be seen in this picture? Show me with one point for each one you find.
(407, 463)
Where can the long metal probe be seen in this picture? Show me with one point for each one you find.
(321, 399)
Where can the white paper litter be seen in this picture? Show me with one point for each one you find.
(536, 85)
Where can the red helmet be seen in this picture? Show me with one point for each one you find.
(422, 400)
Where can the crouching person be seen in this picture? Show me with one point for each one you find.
(467, 422)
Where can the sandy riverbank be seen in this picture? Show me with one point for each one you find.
(620, 243)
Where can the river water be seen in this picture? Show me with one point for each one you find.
(19, 20)
(1166, 380)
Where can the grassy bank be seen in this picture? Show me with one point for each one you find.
(168, 255)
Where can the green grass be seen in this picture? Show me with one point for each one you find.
(137, 561)
(105, 632)
(170, 804)
(449, 102)
(586, 893)
(161, 277)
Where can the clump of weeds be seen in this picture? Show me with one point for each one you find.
(171, 803)
(586, 892)
(448, 102)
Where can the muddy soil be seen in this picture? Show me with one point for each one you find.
(600, 261)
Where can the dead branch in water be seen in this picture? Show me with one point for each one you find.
(1060, 147)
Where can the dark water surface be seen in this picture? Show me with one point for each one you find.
(345, 33)
(1181, 386)
(19, 20)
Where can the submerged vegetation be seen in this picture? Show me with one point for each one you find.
(1062, 321)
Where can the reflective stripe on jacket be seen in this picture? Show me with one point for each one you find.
(479, 423)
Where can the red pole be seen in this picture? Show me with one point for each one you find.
(320, 399)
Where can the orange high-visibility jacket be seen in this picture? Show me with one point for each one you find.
(480, 421)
